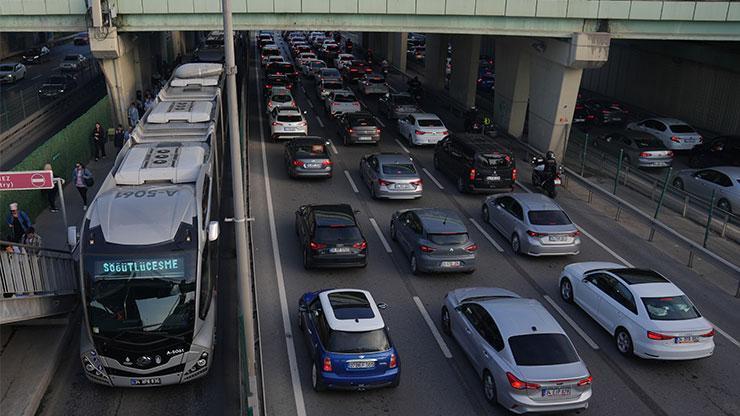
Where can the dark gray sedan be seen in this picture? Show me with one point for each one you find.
(391, 176)
(435, 240)
(395, 106)
(308, 157)
(640, 149)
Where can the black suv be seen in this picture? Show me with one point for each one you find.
(720, 151)
(476, 163)
(330, 237)
(57, 85)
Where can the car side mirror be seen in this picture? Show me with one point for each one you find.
(357, 211)
(302, 308)
(213, 230)
(72, 236)
(382, 306)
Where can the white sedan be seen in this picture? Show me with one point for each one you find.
(648, 315)
(343, 59)
(12, 72)
(675, 134)
(422, 128)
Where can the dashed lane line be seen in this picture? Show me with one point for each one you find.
(572, 323)
(486, 235)
(402, 146)
(333, 148)
(351, 182)
(380, 235)
(436, 182)
(433, 328)
(321, 123)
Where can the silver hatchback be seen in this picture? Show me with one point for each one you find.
(435, 240)
(526, 361)
(391, 176)
(533, 223)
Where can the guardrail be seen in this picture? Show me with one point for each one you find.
(33, 271)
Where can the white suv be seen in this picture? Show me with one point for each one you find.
(287, 121)
(342, 102)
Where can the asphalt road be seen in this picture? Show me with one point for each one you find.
(433, 383)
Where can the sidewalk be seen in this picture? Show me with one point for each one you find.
(50, 225)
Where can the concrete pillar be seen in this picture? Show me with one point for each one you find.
(435, 61)
(465, 53)
(395, 51)
(512, 84)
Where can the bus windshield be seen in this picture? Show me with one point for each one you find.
(145, 294)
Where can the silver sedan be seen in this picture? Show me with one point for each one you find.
(525, 359)
(391, 176)
(533, 223)
(724, 181)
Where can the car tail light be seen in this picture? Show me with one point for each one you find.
(268, 86)
(709, 334)
(292, 103)
(349, 131)
(645, 154)
(275, 123)
(353, 70)
(327, 364)
(302, 124)
(426, 249)
(521, 385)
(586, 381)
(269, 104)
(675, 139)
(289, 86)
(471, 248)
(393, 362)
(471, 174)
(535, 234)
(445, 133)
(480, 80)
(417, 182)
(514, 174)
(377, 130)
(590, 117)
(316, 246)
(605, 111)
(383, 182)
(334, 104)
(575, 233)
(298, 163)
(658, 337)
(360, 246)
(420, 132)
(670, 153)
(326, 163)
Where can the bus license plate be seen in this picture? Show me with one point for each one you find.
(145, 381)
(552, 393)
(685, 340)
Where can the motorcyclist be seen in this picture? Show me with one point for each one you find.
(348, 45)
(471, 116)
(385, 67)
(551, 165)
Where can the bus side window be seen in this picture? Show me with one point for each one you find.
(206, 199)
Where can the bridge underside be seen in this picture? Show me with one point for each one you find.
(483, 25)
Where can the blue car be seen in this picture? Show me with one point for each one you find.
(486, 81)
(349, 343)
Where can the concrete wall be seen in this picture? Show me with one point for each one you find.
(706, 95)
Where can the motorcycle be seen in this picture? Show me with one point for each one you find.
(415, 91)
(545, 180)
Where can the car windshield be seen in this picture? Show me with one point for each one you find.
(56, 80)
(34, 51)
(682, 128)
(309, 150)
(549, 217)
(649, 141)
(7, 67)
(329, 72)
(448, 239)
(431, 122)
(337, 234)
(270, 52)
(318, 64)
(403, 100)
(361, 121)
(670, 308)
(70, 58)
(493, 160)
(344, 98)
(399, 169)
(358, 342)
(333, 85)
(376, 80)
(289, 119)
(542, 349)
(281, 98)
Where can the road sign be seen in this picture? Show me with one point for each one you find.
(20, 181)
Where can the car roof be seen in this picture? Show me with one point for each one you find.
(479, 143)
(534, 201)
(288, 111)
(338, 214)
(634, 276)
(387, 158)
(531, 316)
(400, 94)
(654, 290)
(440, 220)
(343, 91)
(425, 116)
(668, 120)
(350, 310)
(280, 91)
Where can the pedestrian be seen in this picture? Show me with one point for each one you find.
(83, 179)
(148, 100)
(51, 194)
(31, 238)
(18, 221)
(127, 134)
(119, 137)
(133, 114)
(99, 138)
(140, 103)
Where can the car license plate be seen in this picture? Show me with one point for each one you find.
(365, 138)
(450, 264)
(339, 250)
(360, 364)
(401, 186)
(551, 393)
(556, 181)
(557, 238)
(145, 381)
(312, 165)
(493, 178)
(290, 129)
(685, 340)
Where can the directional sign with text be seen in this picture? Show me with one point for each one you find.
(32, 179)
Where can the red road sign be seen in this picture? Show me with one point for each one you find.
(19, 181)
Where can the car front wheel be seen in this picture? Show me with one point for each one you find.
(566, 291)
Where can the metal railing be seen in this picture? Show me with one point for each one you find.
(33, 271)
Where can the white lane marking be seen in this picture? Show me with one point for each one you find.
(351, 182)
(380, 122)
(37, 77)
(436, 182)
(521, 185)
(726, 335)
(430, 324)
(402, 146)
(380, 235)
(572, 323)
(321, 123)
(310, 103)
(393, 90)
(485, 234)
(333, 148)
(604, 246)
(303, 89)
(292, 361)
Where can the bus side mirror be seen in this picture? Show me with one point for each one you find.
(213, 230)
(72, 236)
